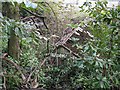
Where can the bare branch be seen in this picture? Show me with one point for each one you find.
(36, 69)
(41, 17)
(14, 64)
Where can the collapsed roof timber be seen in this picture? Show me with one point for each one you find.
(66, 41)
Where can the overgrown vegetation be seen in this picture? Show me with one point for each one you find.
(39, 64)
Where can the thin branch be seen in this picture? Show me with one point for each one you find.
(34, 23)
(36, 68)
(16, 66)
(71, 51)
(41, 17)
(24, 19)
(4, 84)
(32, 13)
(53, 13)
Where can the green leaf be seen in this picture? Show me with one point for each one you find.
(72, 25)
(18, 32)
(104, 79)
(75, 39)
(101, 64)
(101, 84)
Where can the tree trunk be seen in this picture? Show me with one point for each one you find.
(12, 12)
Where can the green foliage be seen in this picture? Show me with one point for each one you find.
(72, 25)
(27, 3)
(101, 54)
(98, 67)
